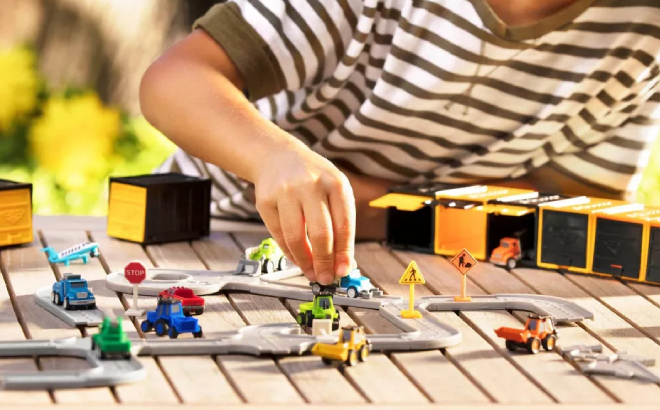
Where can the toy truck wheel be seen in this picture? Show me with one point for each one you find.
(161, 327)
(92, 254)
(173, 333)
(511, 263)
(335, 324)
(352, 292)
(364, 353)
(326, 361)
(146, 326)
(186, 312)
(300, 319)
(533, 345)
(268, 266)
(283, 263)
(309, 318)
(549, 342)
(316, 288)
(510, 346)
(199, 311)
(52, 297)
(352, 358)
(67, 304)
(199, 334)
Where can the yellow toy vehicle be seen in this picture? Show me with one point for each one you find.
(351, 347)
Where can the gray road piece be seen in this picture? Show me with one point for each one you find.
(102, 372)
(591, 360)
(560, 309)
(92, 317)
(274, 339)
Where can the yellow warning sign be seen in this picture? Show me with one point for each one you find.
(463, 262)
(412, 275)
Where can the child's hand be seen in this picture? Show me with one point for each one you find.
(308, 206)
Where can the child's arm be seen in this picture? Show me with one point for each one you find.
(193, 95)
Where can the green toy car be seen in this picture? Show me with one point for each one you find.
(320, 308)
(111, 340)
(269, 255)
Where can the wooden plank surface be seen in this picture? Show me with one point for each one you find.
(550, 372)
(489, 370)
(250, 376)
(607, 328)
(309, 377)
(28, 270)
(155, 388)
(10, 329)
(479, 372)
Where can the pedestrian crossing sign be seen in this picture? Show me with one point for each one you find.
(464, 261)
(412, 275)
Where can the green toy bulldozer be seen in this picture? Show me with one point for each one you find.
(320, 308)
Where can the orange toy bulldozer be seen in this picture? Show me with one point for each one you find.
(539, 331)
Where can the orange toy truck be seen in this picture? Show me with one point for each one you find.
(507, 254)
(539, 331)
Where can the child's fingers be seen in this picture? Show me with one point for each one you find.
(342, 210)
(293, 229)
(319, 231)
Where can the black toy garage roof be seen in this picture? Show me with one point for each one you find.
(5, 185)
(156, 179)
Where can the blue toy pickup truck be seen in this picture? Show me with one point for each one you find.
(354, 285)
(72, 292)
(168, 319)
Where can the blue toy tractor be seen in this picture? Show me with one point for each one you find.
(168, 319)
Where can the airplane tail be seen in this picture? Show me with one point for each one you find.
(50, 252)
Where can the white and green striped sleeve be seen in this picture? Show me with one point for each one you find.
(282, 44)
(617, 163)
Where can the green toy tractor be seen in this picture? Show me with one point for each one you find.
(320, 308)
(111, 340)
(269, 255)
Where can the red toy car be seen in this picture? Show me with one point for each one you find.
(192, 304)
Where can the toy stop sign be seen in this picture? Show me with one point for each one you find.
(135, 272)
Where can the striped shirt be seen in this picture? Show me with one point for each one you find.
(443, 90)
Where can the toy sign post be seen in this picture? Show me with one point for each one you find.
(412, 276)
(135, 273)
(463, 262)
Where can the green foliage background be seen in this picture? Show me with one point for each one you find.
(67, 142)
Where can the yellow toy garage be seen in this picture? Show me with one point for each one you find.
(510, 227)
(15, 213)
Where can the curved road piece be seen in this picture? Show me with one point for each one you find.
(273, 339)
(102, 373)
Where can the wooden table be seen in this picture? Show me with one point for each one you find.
(479, 372)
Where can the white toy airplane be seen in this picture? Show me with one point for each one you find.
(82, 251)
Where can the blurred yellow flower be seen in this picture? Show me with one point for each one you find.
(18, 85)
(74, 139)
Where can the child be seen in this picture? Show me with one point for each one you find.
(311, 108)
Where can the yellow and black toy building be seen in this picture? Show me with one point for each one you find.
(159, 208)
(580, 234)
(15, 213)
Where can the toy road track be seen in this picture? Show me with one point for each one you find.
(74, 317)
(270, 339)
(102, 372)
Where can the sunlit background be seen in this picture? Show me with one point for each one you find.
(69, 111)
